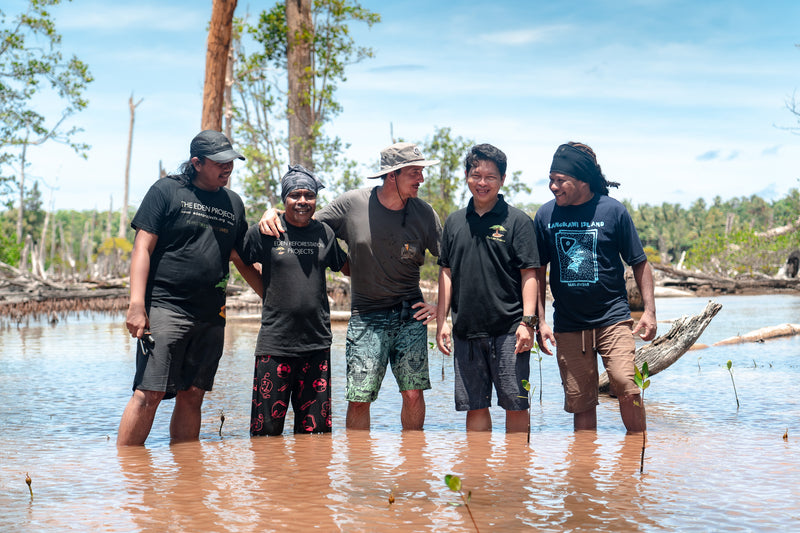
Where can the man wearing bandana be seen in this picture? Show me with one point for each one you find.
(293, 355)
(584, 235)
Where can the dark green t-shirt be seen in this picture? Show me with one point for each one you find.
(386, 248)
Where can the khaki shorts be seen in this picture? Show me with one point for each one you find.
(577, 351)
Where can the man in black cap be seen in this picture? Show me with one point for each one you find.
(387, 230)
(585, 235)
(293, 349)
(187, 229)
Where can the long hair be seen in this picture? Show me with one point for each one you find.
(603, 184)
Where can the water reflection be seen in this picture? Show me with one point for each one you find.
(708, 466)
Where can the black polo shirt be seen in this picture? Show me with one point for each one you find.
(485, 255)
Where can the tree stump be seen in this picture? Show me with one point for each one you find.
(668, 348)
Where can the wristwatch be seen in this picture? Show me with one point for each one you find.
(532, 321)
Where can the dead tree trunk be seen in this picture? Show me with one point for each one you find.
(300, 29)
(21, 212)
(760, 335)
(667, 349)
(219, 41)
(123, 217)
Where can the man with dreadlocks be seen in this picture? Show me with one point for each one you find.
(584, 235)
(387, 230)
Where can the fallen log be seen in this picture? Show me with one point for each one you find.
(760, 335)
(668, 348)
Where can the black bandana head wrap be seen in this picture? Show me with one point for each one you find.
(578, 164)
(299, 177)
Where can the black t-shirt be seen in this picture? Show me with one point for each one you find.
(295, 317)
(585, 246)
(485, 255)
(196, 231)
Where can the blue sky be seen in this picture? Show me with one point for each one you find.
(679, 99)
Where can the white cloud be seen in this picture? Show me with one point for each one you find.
(524, 36)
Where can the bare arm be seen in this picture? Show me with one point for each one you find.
(443, 339)
(644, 280)
(270, 223)
(250, 273)
(545, 334)
(529, 296)
(143, 245)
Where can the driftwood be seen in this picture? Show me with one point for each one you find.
(668, 348)
(760, 335)
(698, 281)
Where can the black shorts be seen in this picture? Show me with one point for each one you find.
(184, 353)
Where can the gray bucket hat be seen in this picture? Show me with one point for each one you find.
(215, 146)
(401, 155)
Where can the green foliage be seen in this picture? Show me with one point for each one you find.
(453, 482)
(33, 70)
(261, 107)
(642, 378)
(721, 237)
(10, 249)
(114, 244)
(445, 186)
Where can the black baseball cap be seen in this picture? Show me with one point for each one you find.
(214, 146)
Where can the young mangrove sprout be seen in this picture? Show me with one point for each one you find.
(539, 358)
(642, 380)
(730, 371)
(527, 386)
(698, 363)
(28, 481)
(454, 483)
(786, 434)
(221, 421)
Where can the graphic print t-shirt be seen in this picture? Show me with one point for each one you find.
(196, 231)
(585, 246)
(295, 317)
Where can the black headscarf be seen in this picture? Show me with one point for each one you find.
(299, 177)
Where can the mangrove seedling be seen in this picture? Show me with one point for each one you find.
(221, 421)
(539, 358)
(698, 363)
(527, 386)
(432, 347)
(454, 483)
(786, 434)
(730, 371)
(29, 481)
(642, 379)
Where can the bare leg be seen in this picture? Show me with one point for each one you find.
(479, 420)
(412, 415)
(137, 419)
(633, 414)
(358, 415)
(185, 422)
(517, 421)
(586, 420)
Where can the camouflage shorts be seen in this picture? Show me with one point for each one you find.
(380, 338)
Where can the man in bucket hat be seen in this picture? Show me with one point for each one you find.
(387, 230)
(187, 229)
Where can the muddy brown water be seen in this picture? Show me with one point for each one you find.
(708, 466)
